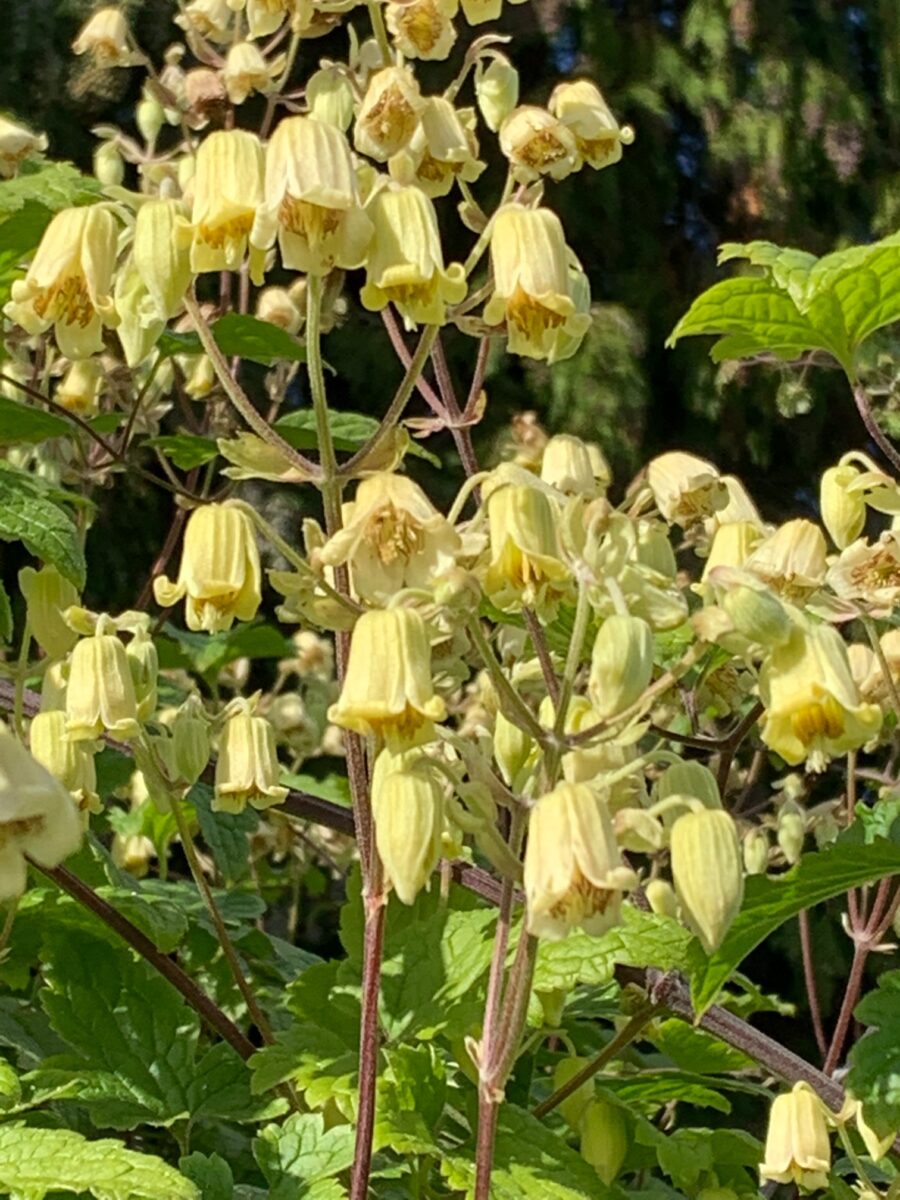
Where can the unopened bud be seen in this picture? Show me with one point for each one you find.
(149, 116)
(791, 832)
(47, 596)
(572, 1109)
(496, 90)
(758, 614)
(552, 1004)
(109, 166)
(604, 1138)
(190, 741)
(756, 852)
(843, 507)
(708, 873)
(143, 662)
(512, 748)
(661, 898)
(408, 811)
(621, 664)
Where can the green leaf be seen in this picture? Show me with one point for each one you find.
(874, 1076)
(531, 1162)
(764, 318)
(335, 788)
(171, 343)
(34, 1162)
(687, 1153)
(788, 268)
(769, 902)
(208, 654)
(21, 422)
(301, 1153)
(695, 1049)
(55, 185)
(643, 939)
(349, 431)
(45, 528)
(259, 341)
(6, 617)
(412, 1089)
(20, 234)
(658, 1088)
(226, 834)
(211, 1174)
(185, 450)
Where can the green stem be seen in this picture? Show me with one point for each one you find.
(862, 1173)
(21, 675)
(328, 466)
(518, 709)
(378, 29)
(573, 662)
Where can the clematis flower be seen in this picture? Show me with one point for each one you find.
(581, 108)
(574, 873)
(246, 71)
(247, 770)
(797, 1146)
(211, 19)
(533, 290)
(37, 816)
(686, 489)
(405, 264)
(105, 37)
(526, 565)
(69, 282)
(422, 28)
(537, 144)
(312, 203)
(408, 811)
(219, 573)
(389, 113)
(100, 695)
(228, 189)
(16, 144)
(72, 763)
(443, 149)
(792, 560)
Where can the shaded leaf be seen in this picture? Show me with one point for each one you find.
(874, 1076)
(27, 514)
(300, 1154)
(21, 422)
(185, 450)
(259, 341)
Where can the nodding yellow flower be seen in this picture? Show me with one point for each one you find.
(161, 250)
(686, 489)
(393, 538)
(621, 664)
(227, 189)
(797, 1145)
(496, 90)
(220, 572)
(869, 573)
(526, 565)
(69, 281)
(389, 113)
(581, 108)
(266, 16)
(329, 94)
(37, 816)
(532, 286)
(312, 203)
(405, 265)
(277, 306)
(212, 19)
(708, 872)
(246, 71)
(792, 561)
(16, 144)
(408, 811)
(566, 466)
(105, 37)
(443, 149)
(842, 505)
(72, 763)
(388, 691)
(477, 12)
(247, 770)
(813, 709)
(79, 389)
(536, 144)
(100, 695)
(47, 596)
(574, 873)
(422, 28)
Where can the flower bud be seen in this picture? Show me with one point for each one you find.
(536, 144)
(79, 389)
(621, 664)
(572, 1109)
(757, 614)
(496, 90)
(109, 166)
(105, 37)
(190, 741)
(791, 831)
(526, 566)
(638, 831)
(143, 662)
(581, 108)
(247, 769)
(329, 94)
(567, 466)
(100, 696)
(388, 691)
(149, 116)
(756, 852)
(220, 572)
(408, 811)
(47, 596)
(843, 507)
(661, 898)
(512, 748)
(797, 1146)
(72, 763)
(574, 873)
(16, 144)
(604, 1138)
(708, 873)
(389, 113)
(553, 1003)
(37, 816)
(688, 778)
(162, 238)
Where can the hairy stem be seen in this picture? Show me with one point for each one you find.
(872, 427)
(373, 949)
(809, 977)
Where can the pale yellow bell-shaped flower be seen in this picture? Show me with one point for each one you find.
(537, 144)
(621, 664)
(477, 12)
(212, 19)
(69, 282)
(389, 113)
(566, 466)
(532, 285)
(496, 90)
(47, 596)
(405, 264)
(143, 662)
(72, 763)
(388, 691)
(686, 489)
(443, 148)
(37, 816)
(312, 202)
(264, 17)
(604, 1138)
(139, 327)
(526, 565)
(105, 37)
(247, 71)
(227, 190)
(843, 506)
(16, 144)
(797, 1146)
(329, 94)
(100, 696)
(392, 538)
(79, 389)
(247, 770)
(793, 560)
(708, 872)
(220, 572)
(408, 811)
(574, 873)
(868, 573)
(422, 28)
(277, 306)
(581, 108)
(813, 710)
(161, 250)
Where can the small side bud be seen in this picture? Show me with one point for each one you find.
(708, 873)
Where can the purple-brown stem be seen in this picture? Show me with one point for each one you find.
(809, 978)
(373, 946)
(872, 427)
(426, 391)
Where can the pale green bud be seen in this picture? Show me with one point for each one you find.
(512, 748)
(843, 507)
(686, 779)
(190, 741)
(553, 1005)
(791, 831)
(149, 116)
(604, 1138)
(756, 852)
(329, 95)
(47, 596)
(661, 898)
(708, 873)
(621, 664)
(758, 614)
(109, 166)
(496, 90)
(572, 1109)
(143, 662)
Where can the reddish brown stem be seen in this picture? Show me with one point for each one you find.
(851, 996)
(809, 977)
(373, 942)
